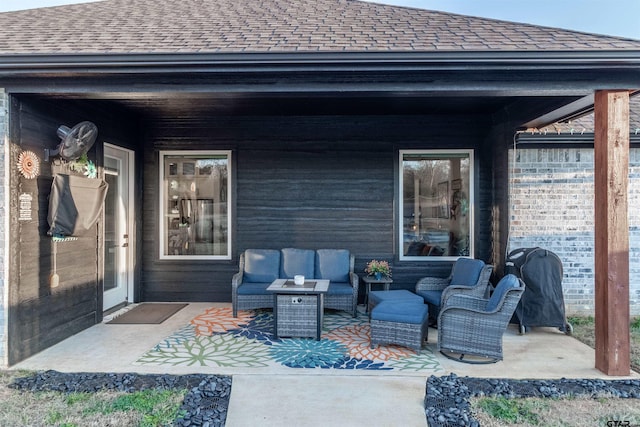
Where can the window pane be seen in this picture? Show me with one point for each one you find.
(435, 204)
(195, 212)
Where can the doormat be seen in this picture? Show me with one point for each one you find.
(246, 344)
(147, 313)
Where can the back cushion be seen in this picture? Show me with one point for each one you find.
(332, 264)
(261, 265)
(296, 261)
(466, 271)
(507, 282)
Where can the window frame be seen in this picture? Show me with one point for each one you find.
(162, 232)
(472, 188)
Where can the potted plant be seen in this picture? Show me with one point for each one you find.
(379, 269)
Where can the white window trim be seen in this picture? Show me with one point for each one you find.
(163, 206)
(400, 224)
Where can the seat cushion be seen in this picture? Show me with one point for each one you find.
(297, 261)
(432, 297)
(254, 289)
(466, 271)
(261, 265)
(400, 312)
(338, 288)
(507, 282)
(332, 265)
(396, 295)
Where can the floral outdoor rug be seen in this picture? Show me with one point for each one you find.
(246, 344)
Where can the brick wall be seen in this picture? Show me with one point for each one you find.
(552, 206)
(4, 129)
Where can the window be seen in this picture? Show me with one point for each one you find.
(194, 205)
(436, 204)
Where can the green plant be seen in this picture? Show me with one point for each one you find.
(374, 266)
(510, 410)
(635, 323)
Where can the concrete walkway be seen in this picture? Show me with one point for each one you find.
(312, 400)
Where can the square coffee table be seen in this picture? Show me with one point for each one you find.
(298, 310)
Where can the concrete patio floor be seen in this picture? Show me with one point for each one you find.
(306, 399)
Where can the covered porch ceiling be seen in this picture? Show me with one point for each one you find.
(152, 106)
(518, 88)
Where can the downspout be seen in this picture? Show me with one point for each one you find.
(4, 228)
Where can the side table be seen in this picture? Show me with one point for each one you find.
(371, 280)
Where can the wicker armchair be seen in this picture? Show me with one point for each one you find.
(337, 266)
(259, 267)
(474, 326)
(467, 275)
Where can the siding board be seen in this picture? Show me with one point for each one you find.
(40, 316)
(308, 182)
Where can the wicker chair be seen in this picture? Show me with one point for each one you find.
(473, 326)
(258, 267)
(470, 275)
(337, 266)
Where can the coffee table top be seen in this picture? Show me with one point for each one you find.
(315, 286)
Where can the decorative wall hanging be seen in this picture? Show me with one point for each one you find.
(29, 164)
(85, 166)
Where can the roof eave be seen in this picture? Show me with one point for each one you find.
(20, 64)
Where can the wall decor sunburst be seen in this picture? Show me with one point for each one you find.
(29, 164)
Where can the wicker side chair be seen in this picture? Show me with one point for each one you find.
(467, 275)
(337, 266)
(472, 326)
(257, 269)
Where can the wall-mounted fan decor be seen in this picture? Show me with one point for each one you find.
(76, 141)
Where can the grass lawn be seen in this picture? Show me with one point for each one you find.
(566, 412)
(149, 408)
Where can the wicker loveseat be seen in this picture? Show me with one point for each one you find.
(258, 268)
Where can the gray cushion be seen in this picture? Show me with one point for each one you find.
(466, 271)
(332, 264)
(261, 265)
(297, 261)
(507, 282)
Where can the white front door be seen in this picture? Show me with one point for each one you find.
(118, 231)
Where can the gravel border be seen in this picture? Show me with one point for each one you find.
(447, 398)
(205, 404)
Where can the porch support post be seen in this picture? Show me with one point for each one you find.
(611, 171)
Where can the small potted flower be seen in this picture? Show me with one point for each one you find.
(378, 269)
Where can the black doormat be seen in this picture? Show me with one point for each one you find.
(147, 313)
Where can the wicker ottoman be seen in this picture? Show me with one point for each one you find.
(401, 323)
(396, 296)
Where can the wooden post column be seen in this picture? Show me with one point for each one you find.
(611, 161)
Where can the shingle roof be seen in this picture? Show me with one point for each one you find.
(169, 26)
